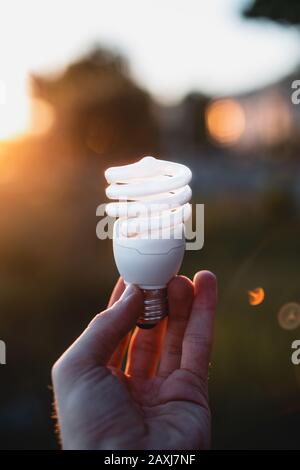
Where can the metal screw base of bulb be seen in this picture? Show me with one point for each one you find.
(155, 307)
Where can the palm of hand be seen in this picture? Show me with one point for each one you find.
(137, 413)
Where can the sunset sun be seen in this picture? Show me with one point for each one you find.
(14, 111)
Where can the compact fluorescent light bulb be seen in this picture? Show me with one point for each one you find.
(149, 235)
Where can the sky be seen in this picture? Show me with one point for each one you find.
(173, 46)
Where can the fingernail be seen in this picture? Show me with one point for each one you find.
(206, 286)
(181, 288)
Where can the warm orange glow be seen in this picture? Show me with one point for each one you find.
(225, 121)
(42, 117)
(14, 108)
(14, 118)
(256, 296)
(19, 115)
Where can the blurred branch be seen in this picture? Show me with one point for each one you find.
(281, 11)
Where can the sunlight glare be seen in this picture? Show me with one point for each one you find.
(14, 112)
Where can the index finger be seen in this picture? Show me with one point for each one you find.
(118, 355)
(117, 292)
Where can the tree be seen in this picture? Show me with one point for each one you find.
(282, 11)
(99, 106)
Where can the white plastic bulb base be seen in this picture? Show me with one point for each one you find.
(150, 264)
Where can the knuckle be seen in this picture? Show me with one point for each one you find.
(174, 349)
(198, 339)
(60, 368)
(97, 319)
(56, 370)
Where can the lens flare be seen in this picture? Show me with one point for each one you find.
(289, 316)
(256, 296)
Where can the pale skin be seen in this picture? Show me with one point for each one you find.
(160, 401)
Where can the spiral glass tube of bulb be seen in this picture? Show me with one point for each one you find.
(149, 236)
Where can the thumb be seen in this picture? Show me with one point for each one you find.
(97, 343)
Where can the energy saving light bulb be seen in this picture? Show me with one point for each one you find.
(149, 233)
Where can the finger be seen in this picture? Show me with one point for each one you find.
(144, 351)
(197, 342)
(118, 355)
(117, 292)
(97, 343)
(180, 295)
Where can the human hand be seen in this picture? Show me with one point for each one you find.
(161, 400)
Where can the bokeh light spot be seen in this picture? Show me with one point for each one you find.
(256, 296)
(289, 316)
(225, 121)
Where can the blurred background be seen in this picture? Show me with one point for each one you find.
(90, 84)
